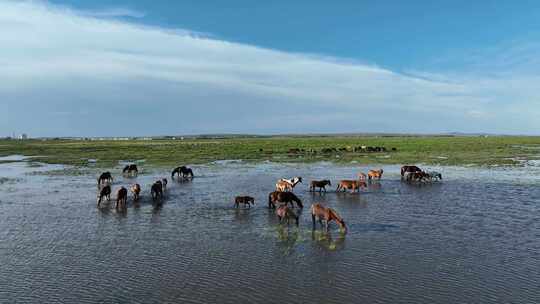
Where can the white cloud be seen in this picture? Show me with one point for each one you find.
(57, 60)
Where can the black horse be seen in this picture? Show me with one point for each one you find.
(409, 169)
(283, 197)
(182, 170)
(131, 169)
(104, 193)
(156, 190)
(104, 177)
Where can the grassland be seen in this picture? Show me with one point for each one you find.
(443, 150)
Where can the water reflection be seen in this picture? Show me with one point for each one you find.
(325, 240)
(288, 237)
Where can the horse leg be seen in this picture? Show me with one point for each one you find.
(313, 220)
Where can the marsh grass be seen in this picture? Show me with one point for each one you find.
(440, 150)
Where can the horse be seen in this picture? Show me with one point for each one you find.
(375, 174)
(319, 184)
(321, 213)
(362, 176)
(434, 175)
(288, 184)
(136, 190)
(105, 192)
(164, 183)
(185, 171)
(105, 177)
(409, 169)
(131, 169)
(156, 190)
(246, 200)
(418, 176)
(284, 212)
(121, 197)
(283, 197)
(353, 185)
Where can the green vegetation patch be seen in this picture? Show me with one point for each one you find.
(441, 150)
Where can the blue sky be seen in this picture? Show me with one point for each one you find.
(95, 68)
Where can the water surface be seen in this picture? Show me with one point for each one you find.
(474, 238)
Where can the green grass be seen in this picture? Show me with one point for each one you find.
(443, 150)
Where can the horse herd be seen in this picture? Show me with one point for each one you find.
(105, 180)
(280, 199)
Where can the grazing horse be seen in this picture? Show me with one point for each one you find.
(375, 174)
(362, 176)
(283, 197)
(246, 200)
(319, 184)
(156, 190)
(321, 213)
(104, 193)
(287, 184)
(353, 185)
(121, 197)
(131, 169)
(409, 169)
(285, 213)
(136, 190)
(183, 170)
(105, 177)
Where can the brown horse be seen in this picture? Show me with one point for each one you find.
(105, 192)
(372, 174)
(130, 170)
(319, 184)
(353, 185)
(362, 176)
(283, 197)
(156, 190)
(283, 186)
(246, 200)
(136, 190)
(285, 213)
(287, 184)
(409, 169)
(321, 213)
(105, 177)
(182, 170)
(121, 197)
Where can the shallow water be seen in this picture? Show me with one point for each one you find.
(473, 238)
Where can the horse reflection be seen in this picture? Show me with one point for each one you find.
(288, 238)
(374, 185)
(326, 241)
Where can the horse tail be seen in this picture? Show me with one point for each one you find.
(402, 171)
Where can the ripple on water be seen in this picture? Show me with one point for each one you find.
(472, 238)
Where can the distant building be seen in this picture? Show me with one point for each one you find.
(23, 136)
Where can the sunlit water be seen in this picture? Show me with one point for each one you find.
(473, 238)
